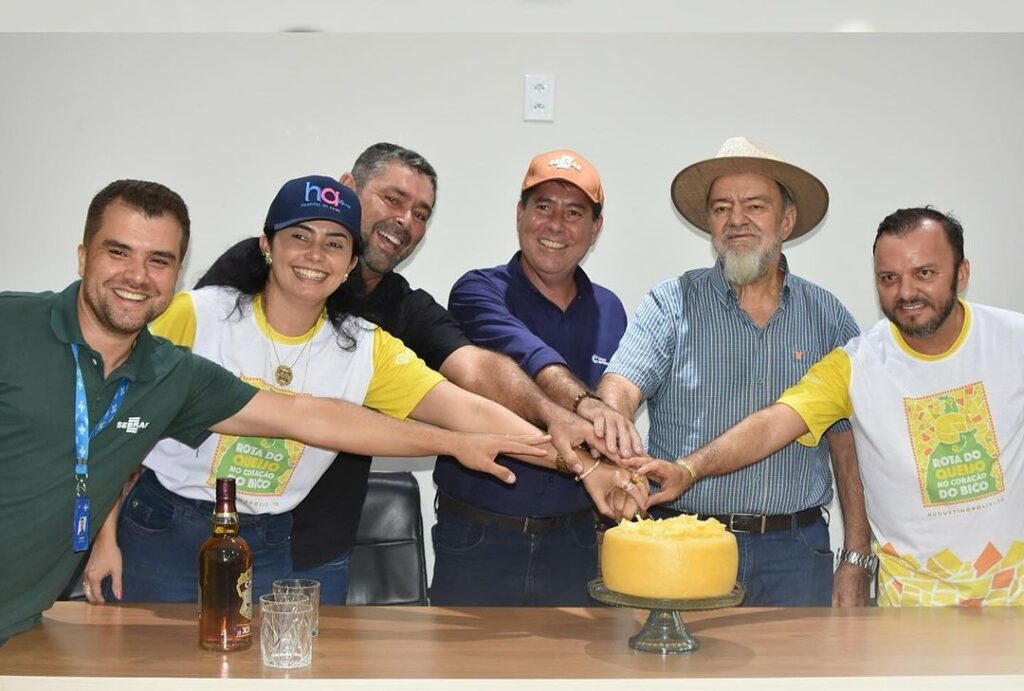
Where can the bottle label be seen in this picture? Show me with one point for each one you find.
(244, 589)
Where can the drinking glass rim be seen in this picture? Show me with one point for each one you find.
(295, 584)
(285, 598)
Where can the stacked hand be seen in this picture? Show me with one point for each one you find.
(611, 432)
(617, 493)
(673, 479)
(477, 451)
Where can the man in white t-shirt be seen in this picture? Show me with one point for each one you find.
(936, 397)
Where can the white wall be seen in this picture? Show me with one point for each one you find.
(547, 16)
(884, 120)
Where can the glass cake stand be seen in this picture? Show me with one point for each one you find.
(664, 631)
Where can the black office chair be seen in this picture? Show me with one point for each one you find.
(388, 565)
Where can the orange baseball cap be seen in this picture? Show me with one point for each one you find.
(566, 165)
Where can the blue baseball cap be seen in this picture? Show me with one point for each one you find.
(316, 198)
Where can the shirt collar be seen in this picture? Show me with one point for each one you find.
(66, 327)
(965, 328)
(515, 270)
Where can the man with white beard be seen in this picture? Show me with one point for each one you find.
(709, 347)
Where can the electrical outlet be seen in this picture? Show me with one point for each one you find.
(539, 97)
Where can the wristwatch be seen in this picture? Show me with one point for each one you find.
(868, 562)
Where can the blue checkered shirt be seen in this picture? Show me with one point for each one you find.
(702, 364)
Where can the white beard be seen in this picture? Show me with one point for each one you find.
(743, 268)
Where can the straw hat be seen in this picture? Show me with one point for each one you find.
(740, 155)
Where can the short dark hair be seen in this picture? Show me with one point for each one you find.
(903, 221)
(374, 159)
(524, 199)
(150, 198)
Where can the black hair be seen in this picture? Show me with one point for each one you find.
(903, 221)
(376, 158)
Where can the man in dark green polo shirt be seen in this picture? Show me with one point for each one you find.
(86, 392)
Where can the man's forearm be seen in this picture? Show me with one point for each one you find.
(546, 403)
(620, 393)
(561, 386)
(497, 377)
(851, 582)
(856, 530)
(452, 408)
(750, 440)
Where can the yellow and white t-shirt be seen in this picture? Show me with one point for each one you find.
(940, 442)
(273, 475)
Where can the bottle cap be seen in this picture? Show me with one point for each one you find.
(225, 489)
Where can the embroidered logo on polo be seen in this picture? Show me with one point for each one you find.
(132, 425)
(260, 465)
(565, 162)
(955, 446)
(598, 360)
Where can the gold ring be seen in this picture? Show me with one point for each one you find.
(628, 485)
(638, 479)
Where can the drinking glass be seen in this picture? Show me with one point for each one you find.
(286, 630)
(303, 586)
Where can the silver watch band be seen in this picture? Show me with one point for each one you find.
(868, 562)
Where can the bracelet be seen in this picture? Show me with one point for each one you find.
(579, 399)
(588, 471)
(689, 468)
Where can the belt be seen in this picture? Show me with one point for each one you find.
(530, 525)
(758, 523)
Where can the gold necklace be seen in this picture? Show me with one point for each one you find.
(283, 373)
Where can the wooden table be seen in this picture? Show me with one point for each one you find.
(153, 647)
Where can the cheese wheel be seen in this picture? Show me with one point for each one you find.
(679, 558)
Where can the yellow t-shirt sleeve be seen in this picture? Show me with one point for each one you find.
(178, 322)
(400, 378)
(822, 396)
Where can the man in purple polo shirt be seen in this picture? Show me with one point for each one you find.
(534, 543)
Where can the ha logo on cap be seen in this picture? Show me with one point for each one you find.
(315, 198)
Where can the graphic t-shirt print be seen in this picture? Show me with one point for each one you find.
(955, 448)
(261, 466)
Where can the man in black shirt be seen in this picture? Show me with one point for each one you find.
(397, 189)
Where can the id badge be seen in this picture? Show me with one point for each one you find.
(80, 529)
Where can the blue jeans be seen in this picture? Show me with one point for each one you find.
(477, 564)
(785, 568)
(333, 577)
(160, 534)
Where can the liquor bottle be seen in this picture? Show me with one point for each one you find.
(225, 579)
